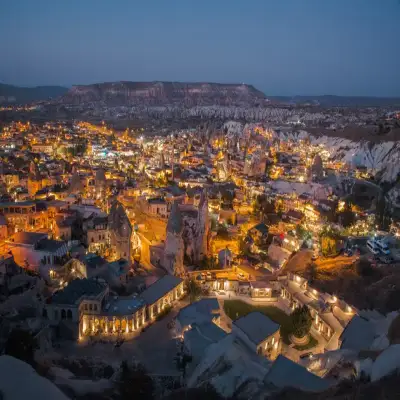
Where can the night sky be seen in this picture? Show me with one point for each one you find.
(283, 47)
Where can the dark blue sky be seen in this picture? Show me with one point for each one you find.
(347, 47)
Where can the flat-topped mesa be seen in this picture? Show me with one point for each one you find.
(164, 93)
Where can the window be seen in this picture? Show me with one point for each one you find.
(90, 307)
(86, 307)
(95, 307)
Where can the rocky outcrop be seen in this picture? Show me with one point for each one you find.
(164, 93)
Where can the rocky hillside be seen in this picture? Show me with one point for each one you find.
(10, 94)
(164, 93)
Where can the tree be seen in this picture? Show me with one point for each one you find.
(301, 321)
(347, 216)
(194, 290)
(328, 237)
(311, 272)
(21, 344)
(207, 263)
(134, 383)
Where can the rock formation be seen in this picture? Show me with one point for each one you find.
(120, 231)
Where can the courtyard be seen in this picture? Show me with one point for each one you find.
(235, 309)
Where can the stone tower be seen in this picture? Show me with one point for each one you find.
(120, 231)
(204, 225)
(174, 246)
(34, 179)
(100, 183)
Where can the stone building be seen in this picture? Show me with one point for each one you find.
(120, 231)
(174, 246)
(259, 333)
(84, 307)
(188, 233)
(161, 294)
(34, 179)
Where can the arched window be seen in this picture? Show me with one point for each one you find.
(63, 314)
(69, 314)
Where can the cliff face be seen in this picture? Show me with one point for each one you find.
(164, 93)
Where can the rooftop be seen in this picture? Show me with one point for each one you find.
(284, 373)
(160, 288)
(123, 305)
(199, 312)
(78, 288)
(261, 227)
(201, 336)
(256, 326)
(27, 238)
(359, 334)
(50, 245)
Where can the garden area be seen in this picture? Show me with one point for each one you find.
(235, 309)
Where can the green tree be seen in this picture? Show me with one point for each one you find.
(21, 344)
(301, 321)
(194, 290)
(134, 383)
(328, 238)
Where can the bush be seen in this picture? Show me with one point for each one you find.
(301, 321)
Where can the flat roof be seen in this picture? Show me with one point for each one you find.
(17, 204)
(285, 372)
(123, 306)
(29, 238)
(78, 288)
(257, 326)
(160, 288)
(50, 245)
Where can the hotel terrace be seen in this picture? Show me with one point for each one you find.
(85, 307)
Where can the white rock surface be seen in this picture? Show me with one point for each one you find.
(19, 381)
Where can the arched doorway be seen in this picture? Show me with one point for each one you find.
(117, 325)
(69, 314)
(123, 325)
(63, 314)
